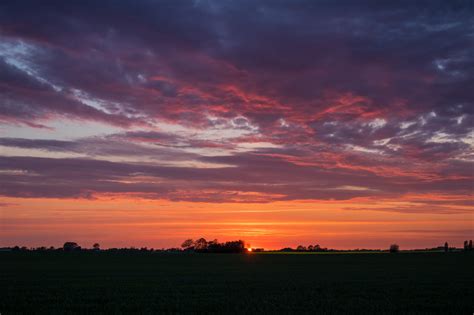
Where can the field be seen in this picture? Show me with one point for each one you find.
(129, 283)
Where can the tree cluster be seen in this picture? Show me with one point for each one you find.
(71, 247)
(468, 245)
(309, 248)
(202, 246)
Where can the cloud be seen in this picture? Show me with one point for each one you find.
(181, 67)
(247, 101)
(248, 178)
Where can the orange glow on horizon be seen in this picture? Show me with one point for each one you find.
(125, 222)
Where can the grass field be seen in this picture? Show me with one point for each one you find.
(130, 283)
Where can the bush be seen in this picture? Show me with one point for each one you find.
(394, 248)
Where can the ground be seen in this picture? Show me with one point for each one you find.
(129, 283)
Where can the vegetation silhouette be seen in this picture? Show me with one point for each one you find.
(309, 248)
(203, 246)
(467, 245)
(71, 246)
(394, 248)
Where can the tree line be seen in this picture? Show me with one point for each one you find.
(201, 245)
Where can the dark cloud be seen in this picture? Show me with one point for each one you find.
(240, 55)
(110, 146)
(27, 98)
(352, 94)
(257, 175)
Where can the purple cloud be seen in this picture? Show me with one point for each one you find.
(292, 100)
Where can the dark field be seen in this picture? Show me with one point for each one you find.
(129, 283)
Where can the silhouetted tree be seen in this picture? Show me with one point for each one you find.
(71, 246)
(213, 246)
(187, 244)
(470, 245)
(300, 248)
(200, 244)
(96, 246)
(466, 245)
(394, 248)
(234, 247)
(446, 247)
(310, 248)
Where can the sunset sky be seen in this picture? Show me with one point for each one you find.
(143, 123)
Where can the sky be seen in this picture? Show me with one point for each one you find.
(348, 124)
